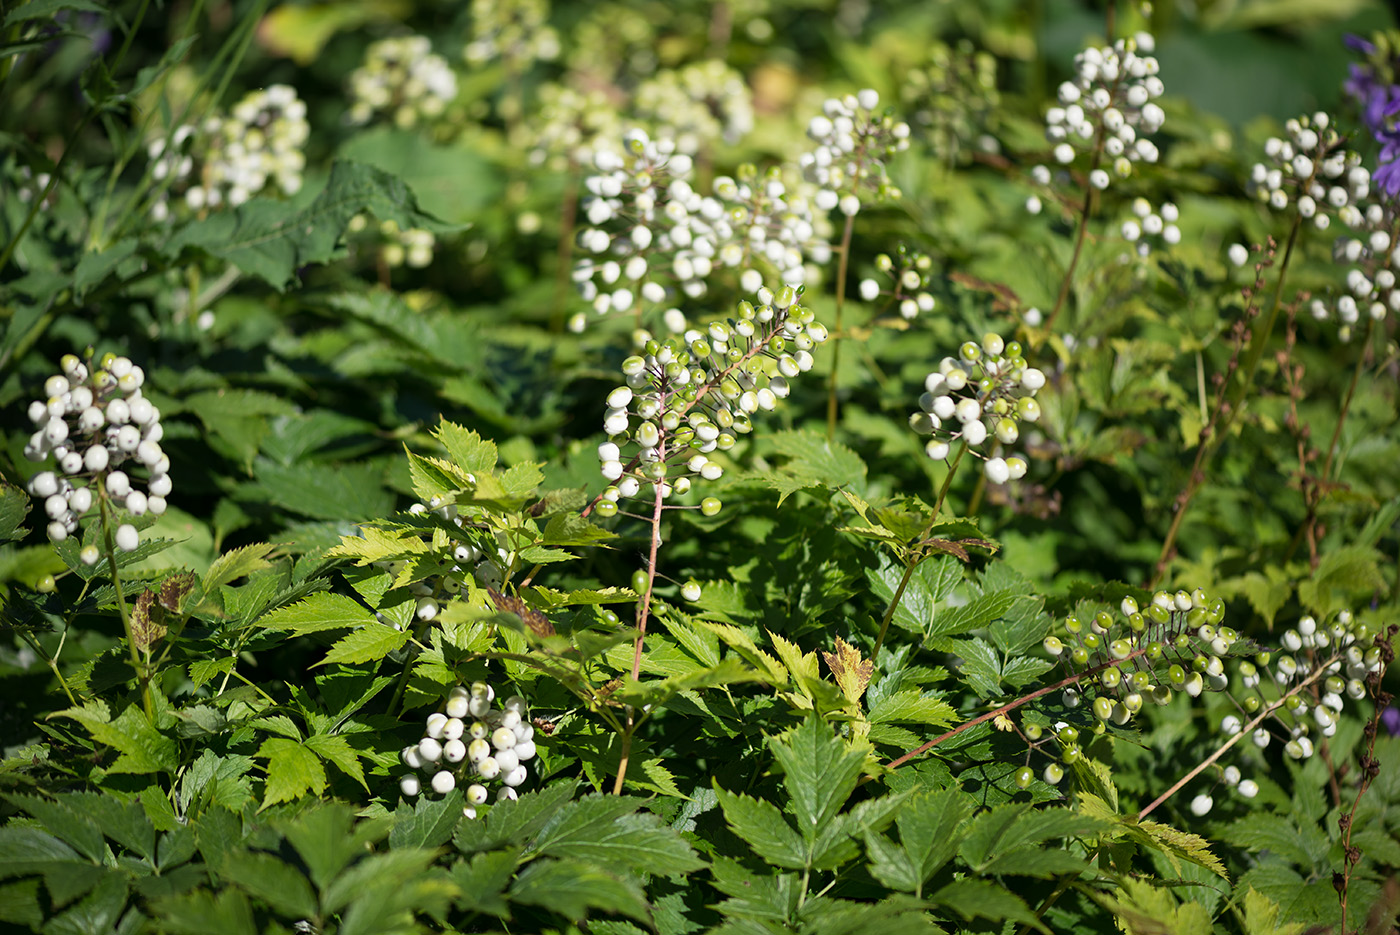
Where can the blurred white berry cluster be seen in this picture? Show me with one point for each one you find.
(985, 392)
(909, 278)
(691, 396)
(1311, 171)
(403, 79)
(389, 244)
(653, 238)
(1149, 227)
(952, 99)
(92, 421)
(1370, 284)
(1107, 110)
(472, 742)
(567, 126)
(698, 103)
(853, 142)
(513, 32)
(229, 159)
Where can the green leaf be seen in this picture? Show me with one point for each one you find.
(43, 9)
(467, 449)
(1142, 908)
(238, 418)
(279, 884)
(204, 913)
(763, 828)
(930, 585)
(292, 771)
(601, 829)
(339, 492)
(911, 706)
(71, 827)
(235, 564)
(369, 643)
(1352, 571)
(1261, 916)
(328, 840)
(572, 888)
(515, 821)
(820, 770)
(14, 507)
(931, 827)
(981, 899)
(334, 748)
(318, 612)
(271, 239)
(975, 614)
(427, 823)
(434, 478)
(482, 880)
(143, 748)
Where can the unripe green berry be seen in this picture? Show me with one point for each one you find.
(1103, 707)
(1024, 775)
(1053, 645)
(1073, 624)
(1067, 734)
(1080, 655)
(639, 581)
(1054, 772)
(1033, 731)
(1091, 640)
(1071, 753)
(606, 509)
(710, 506)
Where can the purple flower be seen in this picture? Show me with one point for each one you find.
(1356, 43)
(1390, 720)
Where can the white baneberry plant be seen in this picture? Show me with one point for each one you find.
(1312, 173)
(229, 159)
(907, 291)
(980, 397)
(1107, 110)
(471, 744)
(403, 80)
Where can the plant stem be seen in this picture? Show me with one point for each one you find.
(841, 265)
(1318, 672)
(52, 662)
(142, 675)
(642, 613)
(915, 557)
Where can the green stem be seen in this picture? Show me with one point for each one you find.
(841, 266)
(142, 675)
(642, 613)
(915, 556)
(52, 662)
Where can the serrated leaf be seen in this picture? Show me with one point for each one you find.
(981, 899)
(820, 773)
(929, 586)
(744, 645)
(481, 881)
(467, 449)
(280, 885)
(604, 831)
(369, 643)
(434, 477)
(143, 748)
(851, 672)
(334, 748)
(271, 239)
(911, 706)
(14, 506)
(292, 771)
(236, 564)
(1185, 844)
(572, 888)
(323, 611)
(931, 827)
(428, 822)
(1261, 916)
(763, 828)
(74, 828)
(975, 614)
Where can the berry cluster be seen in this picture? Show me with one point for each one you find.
(1370, 284)
(1108, 109)
(391, 245)
(512, 32)
(93, 421)
(987, 391)
(700, 102)
(908, 290)
(567, 125)
(691, 396)
(654, 237)
(471, 740)
(230, 159)
(952, 99)
(402, 79)
(1311, 171)
(1150, 227)
(853, 143)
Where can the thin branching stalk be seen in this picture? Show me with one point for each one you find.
(143, 675)
(842, 264)
(1319, 671)
(915, 556)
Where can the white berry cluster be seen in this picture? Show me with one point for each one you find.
(403, 79)
(691, 396)
(92, 421)
(472, 741)
(1370, 283)
(1311, 171)
(698, 103)
(653, 238)
(231, 158)
(1108, 109)
(513, 32)
(567, 125)
(908, 289)
(392, 245)
(1149, 227)
(985, 392)
(853, 142)
(952, 99)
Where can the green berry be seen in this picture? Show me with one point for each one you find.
(710, 506)
(1054, 772)
(46, 585)
(1103, 707)
(1067, 734)
(639, 581)
(606, 509)
(1176, 675)
(1024, 775)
